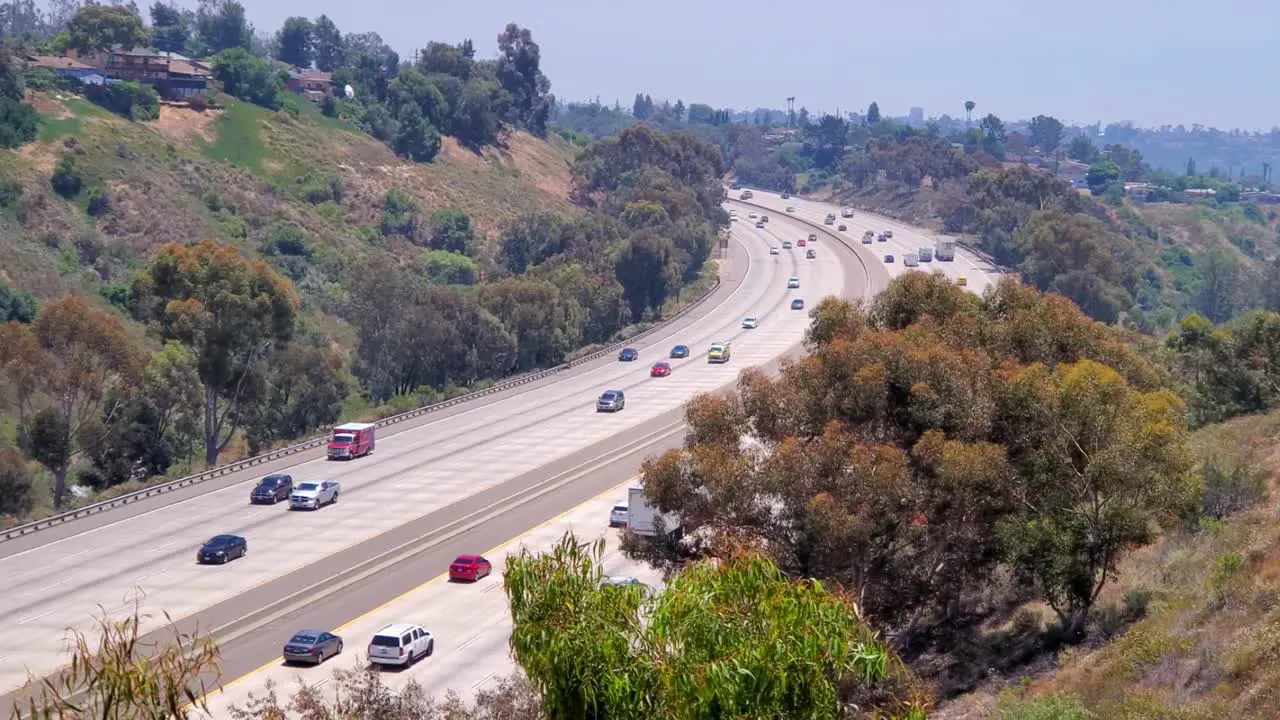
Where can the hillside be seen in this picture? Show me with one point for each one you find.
(228, 175)
(1202, 644)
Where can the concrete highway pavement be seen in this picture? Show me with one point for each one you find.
(478, 625)
(978, 273)
(470, 622)
(431, 472)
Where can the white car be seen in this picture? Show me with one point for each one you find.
(750, 323)
(733, 218)
(752, 215)
(793, 282)
(401, 644)
(618, 516)
(313, 495)
(773, 251)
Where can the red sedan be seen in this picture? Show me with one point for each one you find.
(469, 567)
(660, 369)
(800, 242)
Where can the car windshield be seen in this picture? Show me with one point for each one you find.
(304, 639)
(385, 641)
(221, 540)
(619, 508)
(465, 561)
(309, 486)
(344, 438)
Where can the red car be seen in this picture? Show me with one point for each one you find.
(660, 369)
(469, 567)
(800, 242)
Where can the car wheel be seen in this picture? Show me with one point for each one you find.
(431, 648)
(244, 551)
(335, 497)
(339, 651)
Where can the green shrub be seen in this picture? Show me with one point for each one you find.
(127, 99)
(99, 202)
(19, 123)
(66, 179)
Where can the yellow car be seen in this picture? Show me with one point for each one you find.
(962, 281)
(719, 353)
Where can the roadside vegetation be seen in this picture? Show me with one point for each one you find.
(1054, 500)
(369, 278)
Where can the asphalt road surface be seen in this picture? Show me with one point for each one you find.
(463, 480)
(978, 273)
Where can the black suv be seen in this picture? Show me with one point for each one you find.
(272, 489)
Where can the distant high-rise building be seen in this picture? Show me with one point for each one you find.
(915, 116)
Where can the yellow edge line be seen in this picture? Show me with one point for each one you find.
(438, 578)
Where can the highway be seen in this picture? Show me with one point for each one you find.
(978, 273)
(470, 621)
(465, 479)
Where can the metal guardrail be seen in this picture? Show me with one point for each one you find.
(229, 468)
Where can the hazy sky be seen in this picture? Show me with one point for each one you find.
(1149, 61)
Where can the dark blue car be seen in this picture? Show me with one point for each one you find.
(680, 351)
(272, 489)
(628, 354)
(222, 549)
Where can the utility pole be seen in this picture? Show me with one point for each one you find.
(791, 112)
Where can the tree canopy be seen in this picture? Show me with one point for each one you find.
(916, 426)
(735, 639)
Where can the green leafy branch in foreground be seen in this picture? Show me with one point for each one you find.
(735, 639)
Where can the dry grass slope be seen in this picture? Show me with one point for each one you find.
(228, 175)
(1208, 644)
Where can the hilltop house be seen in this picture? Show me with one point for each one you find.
(173, 76)
(67, 68)
(314, 84)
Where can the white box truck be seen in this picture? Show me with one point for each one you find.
(911, 260)
(642, 517)
(945, 248)
(846, 213)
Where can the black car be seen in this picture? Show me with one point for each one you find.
(888, 258)
(628, 354)
(680, 351)
(312, 646)
(272, 489)
(222, 548)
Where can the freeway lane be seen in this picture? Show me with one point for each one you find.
(470, 658)
(978, 272)
(470, 622)
(415, 474)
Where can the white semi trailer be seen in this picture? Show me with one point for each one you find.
(945, 248)
(643, 518)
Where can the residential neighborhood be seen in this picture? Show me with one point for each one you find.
(176, 78)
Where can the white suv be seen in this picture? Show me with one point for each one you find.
(401, 645)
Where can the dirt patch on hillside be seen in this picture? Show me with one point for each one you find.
(181, 123)
(49, 106)
(546, 166)
(452, 151)
(39, 157)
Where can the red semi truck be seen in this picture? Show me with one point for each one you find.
(351, 441)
